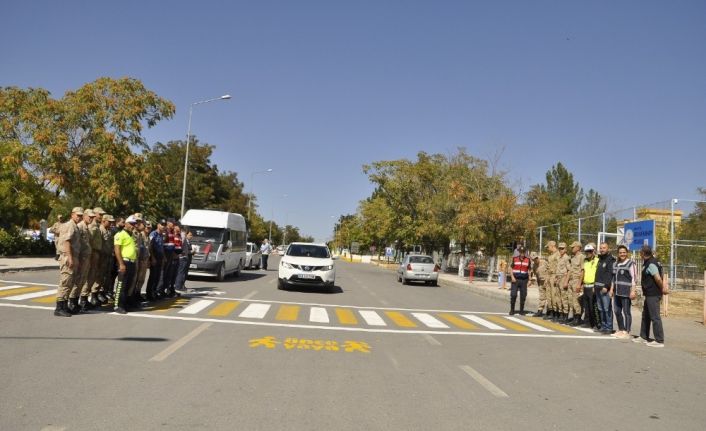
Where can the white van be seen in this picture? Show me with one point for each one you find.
(219, 242)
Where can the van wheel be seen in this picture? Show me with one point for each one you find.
(221, 274)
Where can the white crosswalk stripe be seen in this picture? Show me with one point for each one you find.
(528, 324)
(318, 315)
(429, 320)
(482, 322)
(10, 287)
(372, 318)
(255, 311)
(197, 307)
(31, 295)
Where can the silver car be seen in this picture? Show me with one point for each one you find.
(418, 267)
(252, 256)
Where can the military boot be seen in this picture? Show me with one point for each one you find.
(563, 318)
(72, 306)
(549, 315)
(61, 309)
(93, 300)
(575, 321)
(83, 304)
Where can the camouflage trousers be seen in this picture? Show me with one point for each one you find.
(555, 294)
(90, 284)
(138, 280)
(544, 292)
(81, 275)
(66, 277)
(571, 298)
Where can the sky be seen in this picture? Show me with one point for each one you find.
(614, 90)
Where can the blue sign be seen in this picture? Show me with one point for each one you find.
(388, 251)
(639, 233)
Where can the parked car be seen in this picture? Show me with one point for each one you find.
(280, 250)
(418, 267)
(306, 264)
(253, 256)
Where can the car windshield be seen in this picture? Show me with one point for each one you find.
(207, 234)
(420, 259)
(306, 250)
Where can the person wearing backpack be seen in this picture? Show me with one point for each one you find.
(653, 288)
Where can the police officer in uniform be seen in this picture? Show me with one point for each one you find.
(520, 269)
(562, 273)
(540, 273)
(125, 256)
(574, 287)
(553, 306)
(69, 249)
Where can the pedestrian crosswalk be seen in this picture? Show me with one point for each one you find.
(321, 315)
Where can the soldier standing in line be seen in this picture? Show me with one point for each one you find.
(574, 288)
(540, 272)
(56, 230)
(553, 307)
(106, 261)
(561, 280)
(96, 240)
(69, 249)
(80, 278)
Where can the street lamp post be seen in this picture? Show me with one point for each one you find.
(272, 215)
(188, 140)
(252, 189)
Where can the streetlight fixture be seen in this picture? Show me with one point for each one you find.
(188, 140)
(252, 189)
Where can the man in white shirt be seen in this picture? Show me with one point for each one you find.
(265, 249)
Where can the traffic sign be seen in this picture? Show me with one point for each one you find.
(639, 233)
(388, 251)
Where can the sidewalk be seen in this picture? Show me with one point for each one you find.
(25, 263)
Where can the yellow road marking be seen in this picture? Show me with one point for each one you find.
(346, 316)
(552, 325)
(19, 291)
(457, 321)
(172, 303)
(45, 299)
(224, 308)
(287, 312)
(507, 324)
(400, 319)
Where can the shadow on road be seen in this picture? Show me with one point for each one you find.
(146, 339)
(312, 289)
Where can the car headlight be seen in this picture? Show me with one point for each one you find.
(211, 256)
(327, 268)
(286, 265)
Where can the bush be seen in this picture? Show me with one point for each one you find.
(13, 243)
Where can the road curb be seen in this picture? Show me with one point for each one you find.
(29, 268)
(492, 293)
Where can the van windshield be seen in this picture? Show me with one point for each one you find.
(207, 234)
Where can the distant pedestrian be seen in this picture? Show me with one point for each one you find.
(625, 276)
(604, 288)
(265, 249)
(653, 288)
(520, 268)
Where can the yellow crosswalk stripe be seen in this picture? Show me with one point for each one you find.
(507, 324)
(346, 316)
(457, 321)
(224, 308)
(45, 299)
(400, 319)
(172, 303)
(19, 291)
(287, 312)
(552, 325)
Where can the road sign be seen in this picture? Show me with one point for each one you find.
(639, 233)
(388, 251)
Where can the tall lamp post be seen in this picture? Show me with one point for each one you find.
(272, 215)
(252, 189)
(188, 141)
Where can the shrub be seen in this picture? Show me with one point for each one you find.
(13, 243)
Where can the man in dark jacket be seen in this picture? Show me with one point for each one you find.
(604, 288)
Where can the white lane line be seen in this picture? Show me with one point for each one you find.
(372, 318)
(31, 295)
(487, 384)
(482, 322)
(528, 324)
(588, 330)
(164, 354)
(250, 295)
(318, 315)
(431, 340)
(327, 328)
(429, 320)
(197, 307)
(53, 428)
(255, 311)
(11, 287)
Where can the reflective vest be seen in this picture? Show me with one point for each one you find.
(623, 277)
(589, 271)
(521, 267)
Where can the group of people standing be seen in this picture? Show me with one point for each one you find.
(587, 289)
(104, 259)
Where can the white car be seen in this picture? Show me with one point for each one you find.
(417, 267)
(307, 264)
(253, 256)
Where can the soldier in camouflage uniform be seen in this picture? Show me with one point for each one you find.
(96, 238)
(107, 259)
(574, 289)
(80, 278)
(554, 305)
(562, 281)
(540, 273)
(69, 249)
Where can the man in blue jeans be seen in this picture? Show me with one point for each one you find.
(604, 288)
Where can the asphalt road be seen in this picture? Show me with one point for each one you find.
(373, 354)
